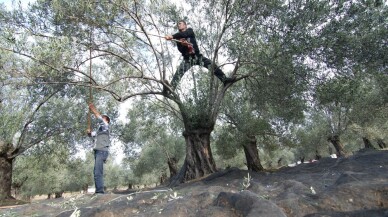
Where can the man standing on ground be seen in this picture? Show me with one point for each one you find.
(188, 47)
(101, 147)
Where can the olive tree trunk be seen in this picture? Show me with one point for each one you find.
(252, 155)
(172, 166)
(199, 156)
(5, 177)
(6, 162)
(199, 159)
(335, 140)
(381, 143)
(367, 143)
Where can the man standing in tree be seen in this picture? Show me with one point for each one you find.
(101, 147)
(188, 47)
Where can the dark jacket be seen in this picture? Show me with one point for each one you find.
(190, 37)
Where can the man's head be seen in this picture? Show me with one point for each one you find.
(106, 118)
(182, 26)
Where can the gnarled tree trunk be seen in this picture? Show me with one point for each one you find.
(199, 159)
(16, 186)
(199, 156)
(5, 171)
(335, 140)
(252, 155)
(5, 177)
(367, 143)
(58, 194)
(172, 166)
(381, 143)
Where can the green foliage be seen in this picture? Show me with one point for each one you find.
(12, 121)
(114, 175)
(147, 130)
(153, 160)
(349, 42)
(307, 70)
(338, 90)
(236, 159)
(228, 143)
(42, 172)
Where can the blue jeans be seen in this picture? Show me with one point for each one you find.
(99, 160)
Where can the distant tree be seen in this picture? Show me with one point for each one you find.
(34, 113)
(161, 147)
(348, 51)
(50, 171)
(113, 175)
(369, 119)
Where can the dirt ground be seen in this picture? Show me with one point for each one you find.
(355, 186)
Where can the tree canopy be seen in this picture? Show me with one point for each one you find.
(309, 75)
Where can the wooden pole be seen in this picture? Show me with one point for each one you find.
(90, 82)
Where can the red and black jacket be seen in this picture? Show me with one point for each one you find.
(185, 50)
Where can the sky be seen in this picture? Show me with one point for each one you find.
(9, 3)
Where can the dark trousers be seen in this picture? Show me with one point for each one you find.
(186, 64)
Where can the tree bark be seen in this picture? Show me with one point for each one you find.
(367, 143)
(5, 171)
(252, 155)
(58, 194)
(317, 155)
(199, 159)
(163, 178)
(335, 140)
(381, 143)
(85, 188)
(5, 177)
(199, 156)
(16, 186)
(172, 166)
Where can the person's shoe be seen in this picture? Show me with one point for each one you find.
(98, 193)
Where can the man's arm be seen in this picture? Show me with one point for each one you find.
(94, 110)
(97, 113)
(189, 33)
